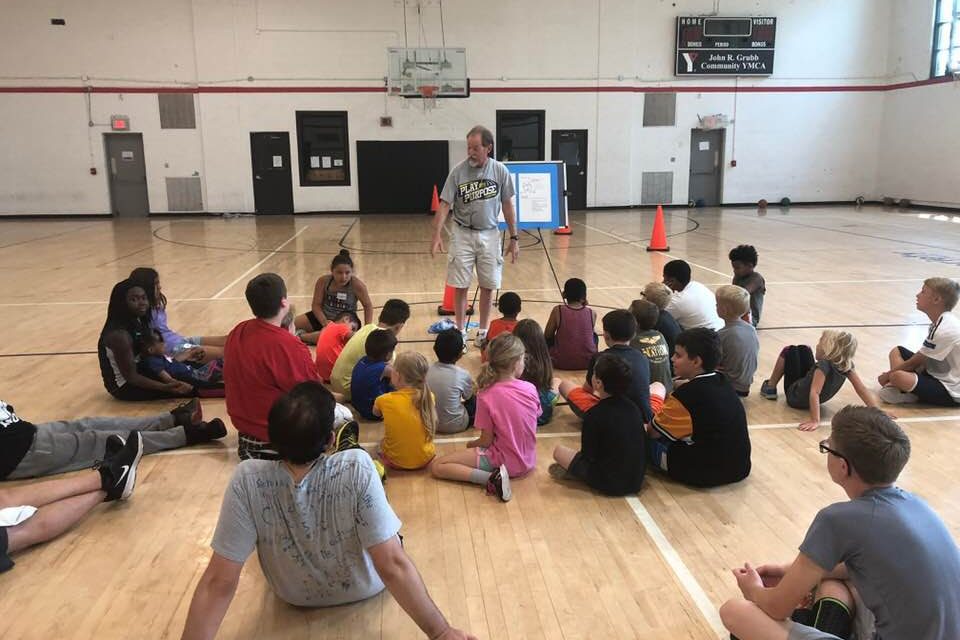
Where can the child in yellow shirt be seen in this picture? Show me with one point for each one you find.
(409, 415)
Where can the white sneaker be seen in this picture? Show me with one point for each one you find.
(892, 395)
(480, 337)
(466, 339)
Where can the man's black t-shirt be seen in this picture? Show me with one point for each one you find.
(16, 437)
(613, 446)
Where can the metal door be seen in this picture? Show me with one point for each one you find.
(126, 174)
(570, 146)
(706, 167)
(272, 182)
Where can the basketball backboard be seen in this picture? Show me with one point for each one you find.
(409, 69)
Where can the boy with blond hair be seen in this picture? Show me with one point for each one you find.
(932, 374)
(739, 346)
(884, 541)
(659, 294)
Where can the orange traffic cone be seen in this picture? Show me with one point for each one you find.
(446, 307)
(658, 239)
(563, 231)
(435, 202)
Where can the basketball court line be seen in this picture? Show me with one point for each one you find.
(269, 255)
(638, 244)
(709, 611)
(562, 434)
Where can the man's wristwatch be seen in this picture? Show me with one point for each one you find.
(517, 238)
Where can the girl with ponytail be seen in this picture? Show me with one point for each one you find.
(507, 411)
(409, 415)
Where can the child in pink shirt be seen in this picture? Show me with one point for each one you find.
(507, 411)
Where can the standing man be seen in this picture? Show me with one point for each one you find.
(475, 190)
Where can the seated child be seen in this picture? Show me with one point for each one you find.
(157, 366)
(537, 368)
(810, 382)
(333, 337)
(619, 328)
(612, 456)
(692, 303)
(651, 342)
(372, 374)
(739, 346)
(507, 410)
(699, 433)
(409, 415)
(743, 259)
(660, 294)
(393, 316)
(509, 306)
(451, 385)
(885, 542)
(569, 331)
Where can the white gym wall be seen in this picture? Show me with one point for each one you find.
(808, 145)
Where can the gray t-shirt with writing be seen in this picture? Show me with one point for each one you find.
(475, 193)
(450, 385)
(653, 345)
(311, 537)
(739, 349)
(900, 557)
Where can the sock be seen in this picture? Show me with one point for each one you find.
(479, 476)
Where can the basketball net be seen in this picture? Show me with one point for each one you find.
(428, 93)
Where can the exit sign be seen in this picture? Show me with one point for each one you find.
(120, 123)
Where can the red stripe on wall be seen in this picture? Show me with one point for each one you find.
(860, 88)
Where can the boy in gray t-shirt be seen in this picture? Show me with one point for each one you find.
(451, 385)
(886, 542)
(739, 346)
(321, 525)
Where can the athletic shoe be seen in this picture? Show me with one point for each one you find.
(466, 339)
(188, 413)
(499, 484)
(205, 431)
(892, 395)
(381, 470)
(768, 391)
(114, 444)
(348, 437)
(118, 473)
(480, 337)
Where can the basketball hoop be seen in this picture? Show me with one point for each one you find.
(428, 92)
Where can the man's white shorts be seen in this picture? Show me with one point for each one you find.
(470, 248)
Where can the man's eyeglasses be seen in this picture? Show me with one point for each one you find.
(825, 448)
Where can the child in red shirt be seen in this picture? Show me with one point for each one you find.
(509, 306)
(332, 339)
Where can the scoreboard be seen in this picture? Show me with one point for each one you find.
(715, 46)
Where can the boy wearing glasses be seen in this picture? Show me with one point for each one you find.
(886, 542)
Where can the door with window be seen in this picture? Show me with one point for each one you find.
(127, 175)
(272, 183)
(706, 167)
(570, 146)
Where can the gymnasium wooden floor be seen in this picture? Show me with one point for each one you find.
(556, 562)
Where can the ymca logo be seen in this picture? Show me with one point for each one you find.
(689, 58)
(477, 190)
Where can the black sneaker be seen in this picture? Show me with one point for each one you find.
(205, 431)
(499, 484)
(118, 472)
(348, 437)
(114, 445)
(188, 413)
(768, 390)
